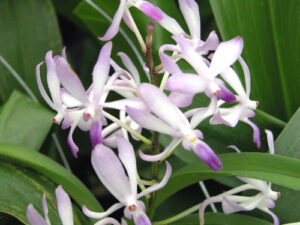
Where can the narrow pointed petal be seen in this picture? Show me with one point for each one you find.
(159, 103)
(68, 100)
(127, 156)
(130, 66)
(157, 186)
(190, 11)
(225, 55)
(257, 184)
(97, 215)
(147, 120)
(141, 219)
(111, 140)
(72, 145)
(108, 220)
(96, 133)
(203, 206)
(186, 83)
(246, 75)
(228, 116)
(123, 103)
(150, 10)
(192, 56)
(169, 64)
(231, 207)
(114, 27)
(270, 140)
(204, 152)
(225, 94)
(70, 80)
(52, 79)
(158, 157)
(256, 132)
(274, 216)
(64, 206)
(41, 87)
(181, 99)
(101, 70)
(210, 44)
(231, 77)
(34, 217)
(111, 172)
(45, 208)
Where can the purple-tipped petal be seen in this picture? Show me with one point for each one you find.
(256, 132)
(159, 103)
(225, 55)
(204, 152)
(115, 24)
(169, 64)
(111, 172)
(141, 219)
(157, 186)
(235, 148)
(226, 95)
(127, 156)
(101, 70)
(170, 24)
(270, 140)
(231, 77)
(45, 208)
(96, 133)
(70, 80)
(71, 143)
(64, 206)
(246, 75)
(181, 99)
(274, 216)
(190, 11)
(231, 207)
(186, 83)
(34, 217)
(144, 118)
(150, 10)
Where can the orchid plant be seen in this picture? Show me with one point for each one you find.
(126, 116)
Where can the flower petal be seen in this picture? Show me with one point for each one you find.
(210, 44)
(115, 24)
(270, 140)
(256, 131)
(70, 80)
(190, 11)
(181, 99)
(100, 71)
(144, 118)
(108, 220)
(127, 156)
(64, 206)
(141, 219)
(159, 103)
(231, 207)
(130, 66)
(111, 172)
(157, 186)
(186, 83)
(150, 10)
(68, 100)
(100, 215)
(228, 116)
(246, 75)
(96, 133)
(169, 63)
(45, 208)
(204, 152)
(225, 55)
(34, 217)
(274, 216)
(170, 24)
(231, 77)
(225, 94)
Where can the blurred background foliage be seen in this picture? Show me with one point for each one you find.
(28, 29)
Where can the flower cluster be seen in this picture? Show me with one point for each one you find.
(146, 106)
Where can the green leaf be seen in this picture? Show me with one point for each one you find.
(51, 169)
(271, 45)
(277, 169)
(23, 186)
(288, 144)
(221, 219)
(28, 29)
(20, 120)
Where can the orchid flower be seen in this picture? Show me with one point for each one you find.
(245, 107)
(148, 9)
(111, 173)
(232, 202)
(64, 206)
(206, 80)
(168, 119)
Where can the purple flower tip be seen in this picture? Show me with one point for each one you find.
(151, 11)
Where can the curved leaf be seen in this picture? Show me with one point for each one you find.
(274, 168)
(23, 186)
(51, 169)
